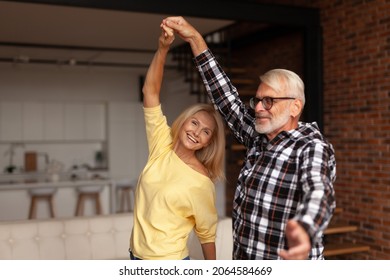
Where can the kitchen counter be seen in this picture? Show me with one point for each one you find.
(13, 188)
(32, 183)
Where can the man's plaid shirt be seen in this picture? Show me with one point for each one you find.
(289, 177)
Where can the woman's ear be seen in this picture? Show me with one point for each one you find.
(296, 108)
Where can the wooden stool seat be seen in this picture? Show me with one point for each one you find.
(43, 194)
(88, 192)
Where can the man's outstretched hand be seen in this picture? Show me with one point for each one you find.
(298, 242)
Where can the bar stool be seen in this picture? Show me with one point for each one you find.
(126, 188)
(42, 194)
(88, 192)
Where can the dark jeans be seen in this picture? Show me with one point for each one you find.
(133, 258)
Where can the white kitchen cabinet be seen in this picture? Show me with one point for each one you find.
(95, 122)
(11, 125)
(53, 121)
(74, 121)
(127, 146)
(84, 121)
(33, 120)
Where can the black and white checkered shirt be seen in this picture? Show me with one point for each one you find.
(289, 177)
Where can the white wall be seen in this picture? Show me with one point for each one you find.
(26, 83)
(65, 83)
(86, 84)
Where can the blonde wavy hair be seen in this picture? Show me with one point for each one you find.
(213, 155)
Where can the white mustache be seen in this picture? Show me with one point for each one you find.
(262, 116)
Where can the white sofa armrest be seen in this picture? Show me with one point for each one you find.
(223, 242)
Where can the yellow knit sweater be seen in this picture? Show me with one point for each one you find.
(171, 199)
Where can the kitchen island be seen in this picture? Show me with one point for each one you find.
(15, 199)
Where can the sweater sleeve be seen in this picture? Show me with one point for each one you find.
(158, 133)
(318, 203)
(225, 98)
(205, 213)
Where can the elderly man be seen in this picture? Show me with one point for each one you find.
(284, 198)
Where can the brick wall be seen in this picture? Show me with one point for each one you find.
(357, 114)
(356, 57)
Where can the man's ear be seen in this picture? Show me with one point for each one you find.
(296, 108)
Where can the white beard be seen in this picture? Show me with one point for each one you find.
(274, 123)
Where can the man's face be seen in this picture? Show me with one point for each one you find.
(278, 118)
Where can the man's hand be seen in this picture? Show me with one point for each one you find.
(298, 242)
(187, 32)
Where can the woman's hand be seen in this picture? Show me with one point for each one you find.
(167, 36)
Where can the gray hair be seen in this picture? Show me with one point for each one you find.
(285, 81)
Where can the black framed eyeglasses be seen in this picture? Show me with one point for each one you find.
(266, 101)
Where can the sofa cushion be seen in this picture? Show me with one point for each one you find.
(101, 237)
(96, 237)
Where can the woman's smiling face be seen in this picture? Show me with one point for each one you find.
(197, 131)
